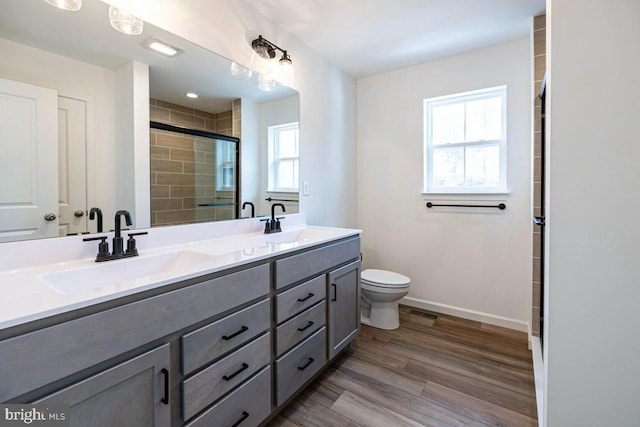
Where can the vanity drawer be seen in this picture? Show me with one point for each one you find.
(295, 330)
(206, 386)
(298, 267)
(300, 364)
(303, 296)
(248, 406)
(74, 345)
(209, 342)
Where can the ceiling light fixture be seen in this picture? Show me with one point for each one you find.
(191, 95)
(161, 47)
(263, 52)
(123, 21)
(72, 5)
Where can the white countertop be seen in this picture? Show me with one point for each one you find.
(32, 292)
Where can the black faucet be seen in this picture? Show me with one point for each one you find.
(118, 252)
(117, 238)
(92, 215)
(273, 225)
(253, 208)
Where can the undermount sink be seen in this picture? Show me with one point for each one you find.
(120, 271)
(296, 236)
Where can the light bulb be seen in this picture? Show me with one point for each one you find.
(239, 72)
(266, 82)
(124, 21)
(286, 74)
(66, 4)
(260, 61)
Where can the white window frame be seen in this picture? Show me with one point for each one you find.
(500, 143)
(274, 160)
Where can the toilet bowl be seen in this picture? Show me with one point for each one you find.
(381, 290)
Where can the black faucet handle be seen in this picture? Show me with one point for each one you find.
(131, 243)
(103, 247)
(267, 224)
(139, 233)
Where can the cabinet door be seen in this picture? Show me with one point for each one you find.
(134, 393)
(344, 306)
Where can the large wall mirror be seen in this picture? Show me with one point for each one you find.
(77, 103)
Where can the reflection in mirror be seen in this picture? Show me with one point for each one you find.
(76, 101)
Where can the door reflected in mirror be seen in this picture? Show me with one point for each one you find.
(93, 147)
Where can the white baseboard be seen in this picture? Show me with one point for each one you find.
(478, 316)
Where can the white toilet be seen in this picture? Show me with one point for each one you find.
(381, 291)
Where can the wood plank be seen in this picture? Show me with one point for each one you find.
(323, 392)
(309, 413)
(491, 373)
(478, 409)
(397, 400)
(478, 388)
(368, 413)
(384, 374)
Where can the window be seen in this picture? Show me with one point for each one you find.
(465, 137)
(225, 164)
(283, 158)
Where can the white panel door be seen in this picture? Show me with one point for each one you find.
(28, 161)
(72, 169)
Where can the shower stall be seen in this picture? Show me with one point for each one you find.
(194, 175)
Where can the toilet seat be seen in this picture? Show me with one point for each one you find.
(384, 279)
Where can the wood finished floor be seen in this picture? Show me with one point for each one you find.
(444, 372)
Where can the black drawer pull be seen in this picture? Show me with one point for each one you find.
(306, 365)
(311, 295)
(165, 398)
(335, 292)
(310, 324)
(228, 337)
(244, 416)
(230, 377)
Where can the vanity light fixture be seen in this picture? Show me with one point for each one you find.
(72, 5)
(161, 47)
(263, 52)
(123, 21)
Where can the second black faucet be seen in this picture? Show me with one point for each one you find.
(273, 225)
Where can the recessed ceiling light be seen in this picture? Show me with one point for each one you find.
(161, 47)
(192, 95)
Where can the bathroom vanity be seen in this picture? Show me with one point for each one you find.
(227, 335)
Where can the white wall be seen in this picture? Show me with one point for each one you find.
(132, 178)
(471, 263)
(327, 96)
(75, 79)
(592, 351)
(249, 155)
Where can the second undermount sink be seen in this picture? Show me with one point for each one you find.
(123, 271)
(297, 236)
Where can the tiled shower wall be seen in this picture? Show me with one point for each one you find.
(539, 42)
(177, 159)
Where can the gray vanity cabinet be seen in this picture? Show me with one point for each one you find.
(230, 348)
(344, 306)
(133, 393)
